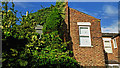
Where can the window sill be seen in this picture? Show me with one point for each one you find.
(85, 46)
(109, 52)
(115, 47)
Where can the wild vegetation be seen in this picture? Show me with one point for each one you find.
(22, 46)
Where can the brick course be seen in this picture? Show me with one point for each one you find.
(118, 44)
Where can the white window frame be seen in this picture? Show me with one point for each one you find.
(115, 43)
(107, 39)
(84, 24)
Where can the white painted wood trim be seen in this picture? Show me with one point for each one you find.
(114, 42)
(114, 65)
(107, 39)
(83, 23)
(89, 37)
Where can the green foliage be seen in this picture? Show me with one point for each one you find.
(53, 21)
(40, 16)
(52, 52)
(16, 37)
(22, 46)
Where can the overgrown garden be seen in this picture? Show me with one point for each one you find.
(21, 44)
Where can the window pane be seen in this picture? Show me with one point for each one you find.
(115, 66)
(84, 31)
(108, 47)
(84, 40)
(109, 66)
(115, 44)
(107, 44)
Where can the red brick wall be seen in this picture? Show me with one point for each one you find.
(118, 48)
(87, 56)
(118, 43)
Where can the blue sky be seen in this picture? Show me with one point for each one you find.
(106, 11)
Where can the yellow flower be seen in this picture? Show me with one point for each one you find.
(9, 10)
(1, 27)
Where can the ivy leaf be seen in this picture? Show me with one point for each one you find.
(22, 62)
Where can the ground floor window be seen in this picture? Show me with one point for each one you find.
(107, 45)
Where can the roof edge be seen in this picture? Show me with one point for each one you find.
(85, 13)
(116, 36)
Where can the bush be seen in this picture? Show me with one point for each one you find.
(23, 48)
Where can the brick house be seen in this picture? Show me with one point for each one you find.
(89, 45)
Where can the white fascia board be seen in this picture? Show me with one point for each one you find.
(85, 45)
(106, 38)
(83, 23)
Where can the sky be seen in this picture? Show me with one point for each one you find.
(106, 11)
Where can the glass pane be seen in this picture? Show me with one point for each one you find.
(115, 67)
(115, 44)
(84, 40)
(39, 31)
(108, 47)
(84, 31)
(83, 27)
(107, 44)
(109, 66)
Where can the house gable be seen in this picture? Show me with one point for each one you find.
(87, 56)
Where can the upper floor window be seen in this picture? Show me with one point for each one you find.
(114, 43)
(107, 45)
(84, 34)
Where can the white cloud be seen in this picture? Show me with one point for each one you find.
(111, 29)
(110, 13)
(110, 10)
(24, 4)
